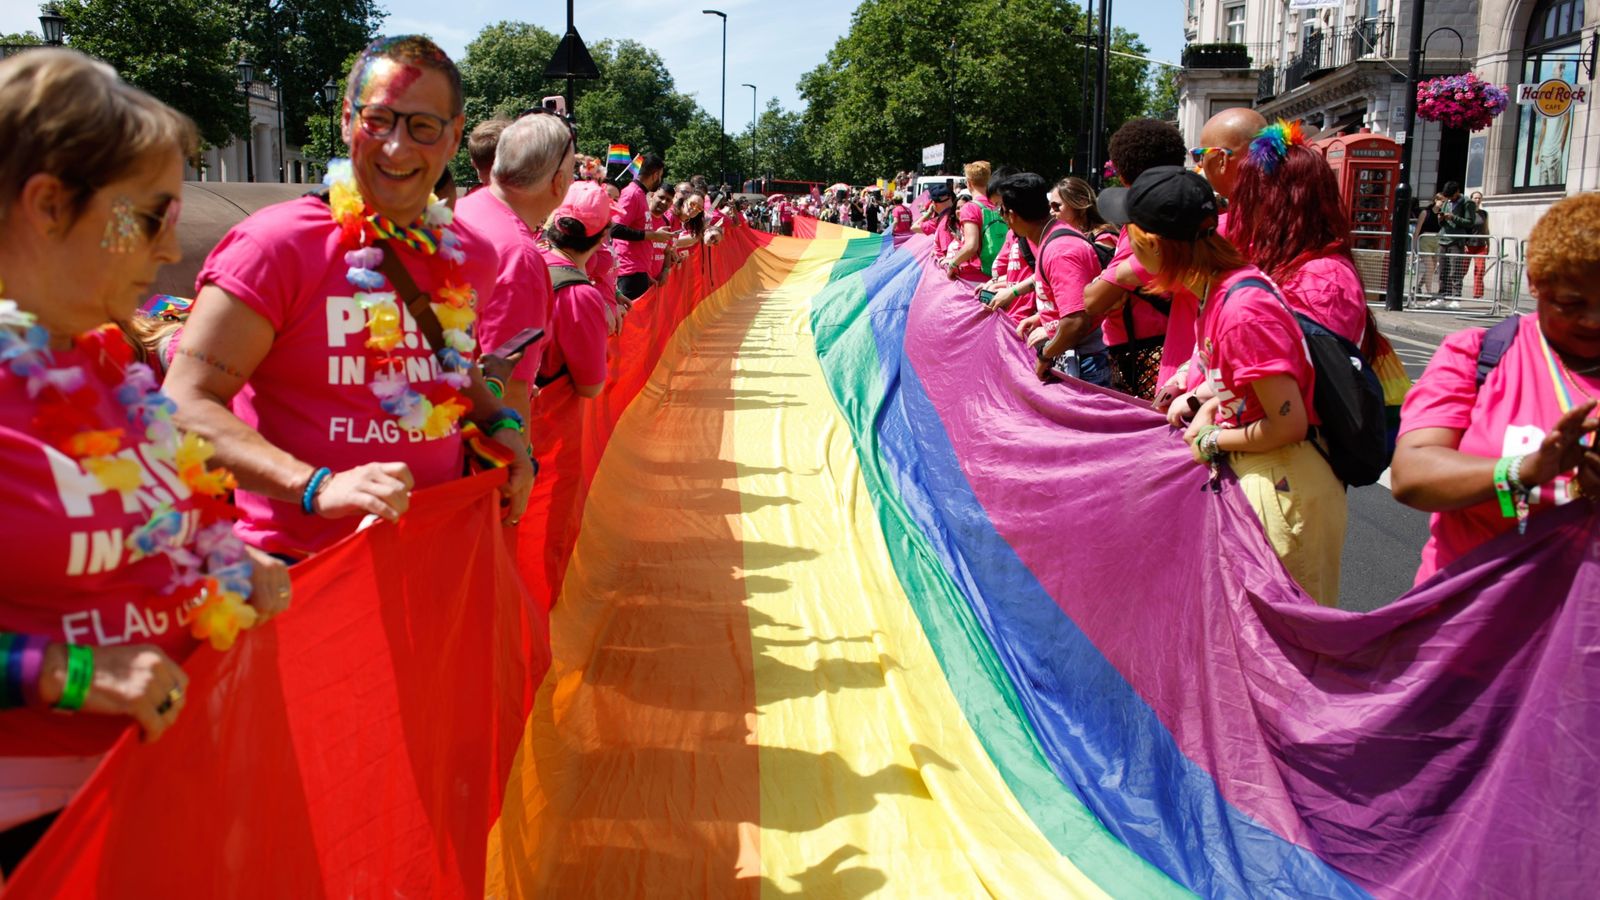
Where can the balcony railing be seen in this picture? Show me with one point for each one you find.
(1328, 49)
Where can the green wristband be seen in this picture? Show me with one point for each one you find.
(1502, 486)
(80, 674)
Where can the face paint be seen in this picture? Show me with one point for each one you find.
(122, 228)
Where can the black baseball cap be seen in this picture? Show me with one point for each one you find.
(1165, 200)
(938, 193)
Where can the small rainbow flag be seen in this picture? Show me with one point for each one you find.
(618, 155)
(634, 166)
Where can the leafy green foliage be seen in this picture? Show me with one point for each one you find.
(300, 44)
(179, 51)
(1015, 78)
(697, 151)
(634, 102)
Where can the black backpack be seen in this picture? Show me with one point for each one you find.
(1347, 397)
(1102, 252)
(1496, 341)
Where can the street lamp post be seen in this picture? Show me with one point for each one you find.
(330, 97)
(52, 25)
(950, 124)
(722, 138)
(247, 74)
(1394, 293)
(753, 169)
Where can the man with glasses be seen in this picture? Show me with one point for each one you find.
(1224, 142)
(533, 167)
(277, 370)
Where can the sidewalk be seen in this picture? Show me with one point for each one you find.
(1432, 326)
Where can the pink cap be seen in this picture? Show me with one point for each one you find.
(588, 203)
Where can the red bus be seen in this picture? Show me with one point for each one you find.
(781, 186)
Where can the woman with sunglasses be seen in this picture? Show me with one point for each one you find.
(326, 399)
(101, 528)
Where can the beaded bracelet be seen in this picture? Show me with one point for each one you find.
(80, 673)
(309, 498)
(1519, 492)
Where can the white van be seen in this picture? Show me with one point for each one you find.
(925, 182)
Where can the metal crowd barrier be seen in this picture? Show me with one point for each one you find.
(1450, 280)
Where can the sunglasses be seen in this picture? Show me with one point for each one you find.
(572, 133)
(380, 121)
(156, 223)
(1199, 153)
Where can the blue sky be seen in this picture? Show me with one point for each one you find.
(770, 42)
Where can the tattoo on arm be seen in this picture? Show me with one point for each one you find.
(1284, 409)
(211, 361)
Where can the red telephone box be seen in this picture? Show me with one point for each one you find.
(1367, 167)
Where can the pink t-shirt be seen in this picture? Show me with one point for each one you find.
(1011, 266)
(658, 249)
(972, 212)
(578, 322)
(1329, 290)
(1248, 337)
(1148, 321)
(311, 395)
(901, 215)
(602, 269)
(1066, 265)
(70, 575)
(1179, 325)
(521, 297)
(1510, 415)
(634, 256)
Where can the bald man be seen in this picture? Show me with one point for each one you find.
(1225, 140)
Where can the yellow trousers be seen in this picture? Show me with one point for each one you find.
(1301, 505)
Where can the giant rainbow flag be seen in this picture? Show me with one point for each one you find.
(841, 601)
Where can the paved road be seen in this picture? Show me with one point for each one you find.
(1384, 540)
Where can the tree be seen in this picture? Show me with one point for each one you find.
(1163, 94)
(21, 39)
(1016, 81)
(175, 50)
(696, 148)
(781, 151)
(299, 44)
(634, 102)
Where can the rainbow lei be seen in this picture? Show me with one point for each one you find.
(434, 413)
(211, 571)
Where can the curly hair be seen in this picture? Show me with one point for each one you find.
(1308, 220)
(1142, 144)
(1565, 244)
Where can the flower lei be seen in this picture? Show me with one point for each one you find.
(436, 412)
(211, 572)
(1461, 101)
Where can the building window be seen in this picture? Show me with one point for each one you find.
(1551, 50)
(1233, 23)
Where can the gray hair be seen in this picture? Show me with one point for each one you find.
(530, 150)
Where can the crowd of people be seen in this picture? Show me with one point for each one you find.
(167, 464)
(350, 347)
(1197, 285)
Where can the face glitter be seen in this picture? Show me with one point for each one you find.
(122, 228)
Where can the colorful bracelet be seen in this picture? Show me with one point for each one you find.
(1502, 486)
(504, 418)
(33, 668)
(1520, 495)
(308, 499)
(1205, 443)
(495, 386)
(80, 674)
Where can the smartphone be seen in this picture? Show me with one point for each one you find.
(518, 343)
(556, 104)
(986, 297)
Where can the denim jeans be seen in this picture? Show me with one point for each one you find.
(1094, 368)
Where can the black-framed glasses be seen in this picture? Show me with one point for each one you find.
(572, 131)
(380, 121)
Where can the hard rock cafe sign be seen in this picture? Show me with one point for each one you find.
(1551, 98)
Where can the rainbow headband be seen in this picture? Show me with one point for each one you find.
(1270, 147)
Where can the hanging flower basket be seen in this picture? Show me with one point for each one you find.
(1460, 101)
